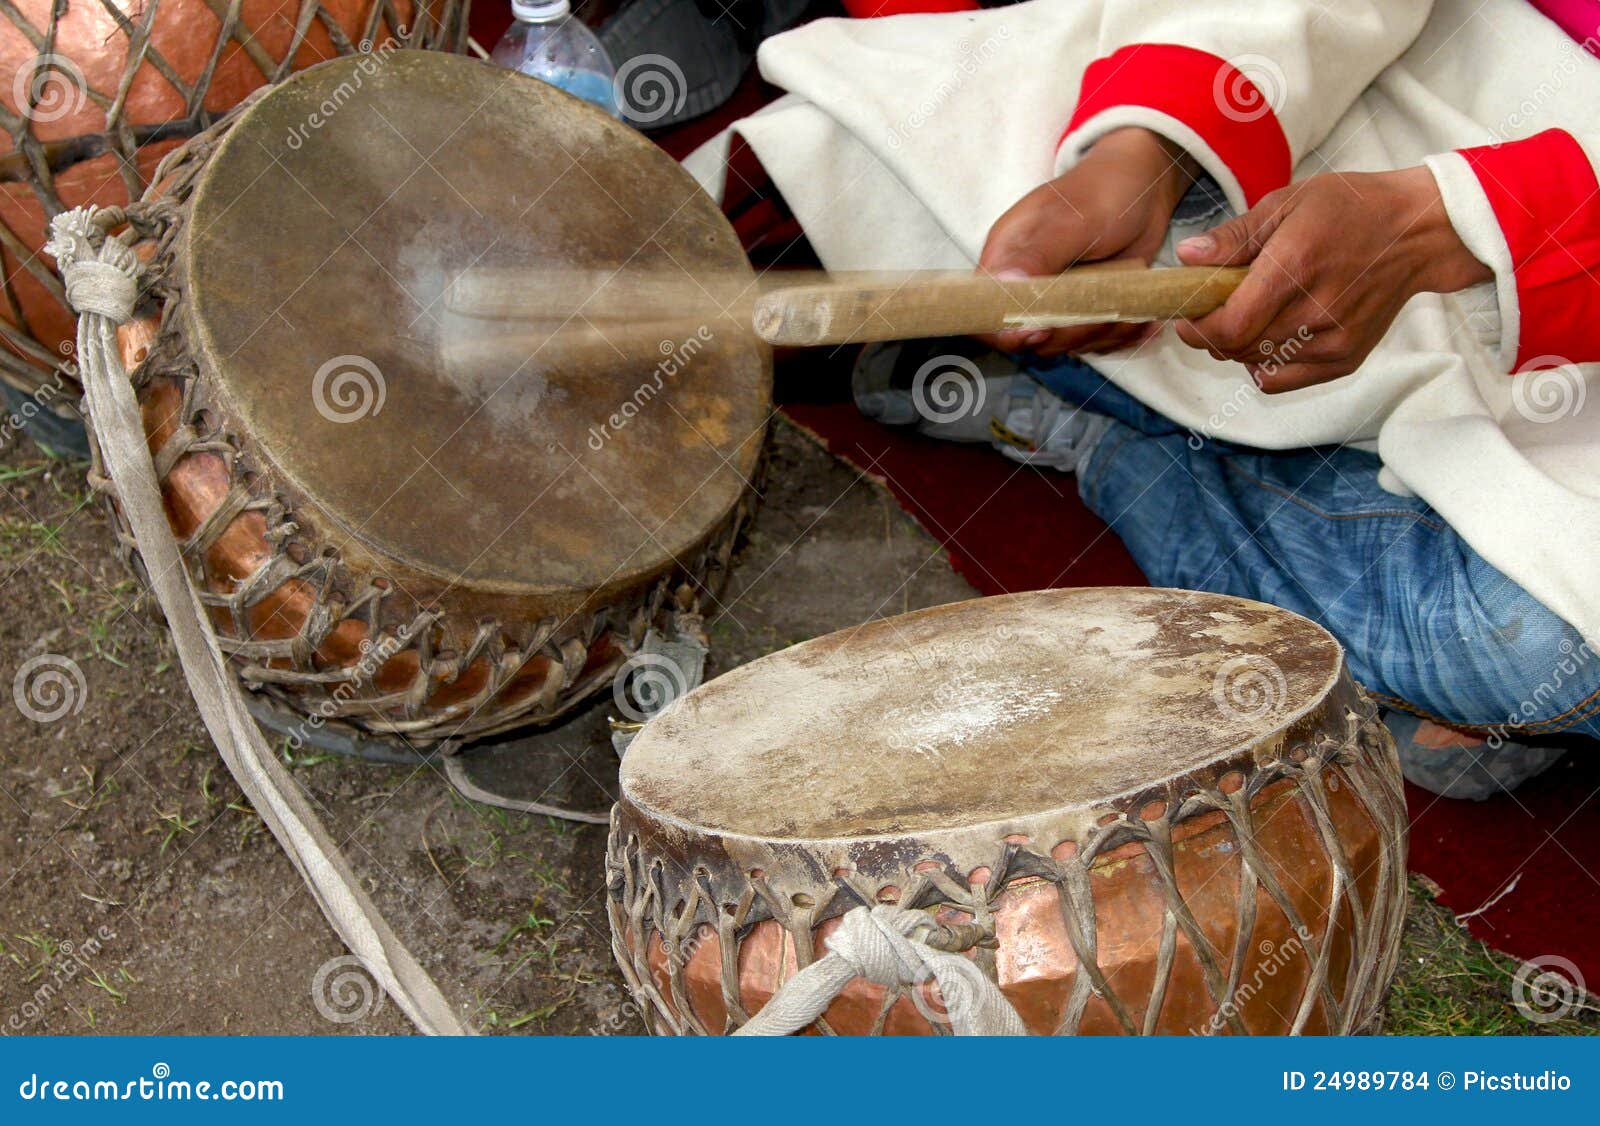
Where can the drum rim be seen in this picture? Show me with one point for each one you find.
(1082, 812)
(337, 529)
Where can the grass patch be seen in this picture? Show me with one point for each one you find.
(1450, 984)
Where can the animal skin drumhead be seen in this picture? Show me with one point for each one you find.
(323, 236)
(980, 712)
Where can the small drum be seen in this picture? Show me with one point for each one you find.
(1133, 810)
(93, 95)
(386, 537)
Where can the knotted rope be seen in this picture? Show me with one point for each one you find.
(888, 945)
(101, 273)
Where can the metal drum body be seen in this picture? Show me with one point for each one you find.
(114, 91)
(389, 541)
(1174, 812)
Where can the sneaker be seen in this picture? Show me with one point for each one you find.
(959, 392)
(1041, 428)
(1454, 764)
(949, 389)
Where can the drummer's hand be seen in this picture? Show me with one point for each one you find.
(1332, 259)
(1114, 204)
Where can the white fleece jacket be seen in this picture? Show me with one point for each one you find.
(902, 139)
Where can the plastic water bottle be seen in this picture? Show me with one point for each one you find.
(545, 41)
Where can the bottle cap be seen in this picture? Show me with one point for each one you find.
(540, 11)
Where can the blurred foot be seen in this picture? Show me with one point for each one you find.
(1455, 764)
(1039, 427)
(951, 390)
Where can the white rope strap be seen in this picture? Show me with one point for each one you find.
(101, 274)
(885, 945)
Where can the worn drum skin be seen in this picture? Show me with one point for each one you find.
(1173, 812)
(389, 537)
(93, 95)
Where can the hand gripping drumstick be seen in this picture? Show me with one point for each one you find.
(825, 309)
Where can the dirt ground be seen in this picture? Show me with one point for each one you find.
(139, 894)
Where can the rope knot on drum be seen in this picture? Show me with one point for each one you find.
(103, 282)
(888, 946)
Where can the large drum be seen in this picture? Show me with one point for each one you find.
(1135, 811)
(389, 535)
(92, 95)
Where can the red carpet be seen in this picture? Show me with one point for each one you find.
(1008, 528)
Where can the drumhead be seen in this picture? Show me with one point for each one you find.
(980, 712)
(321, 239)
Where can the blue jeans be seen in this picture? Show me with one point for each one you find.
(1427, 624)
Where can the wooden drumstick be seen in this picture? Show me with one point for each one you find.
(818, 309)
(959, 306)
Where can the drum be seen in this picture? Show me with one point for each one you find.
(387, 538)
(94, 95)
(1131, 810)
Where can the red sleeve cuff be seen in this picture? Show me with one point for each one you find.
(1209, 95)
(1545, 197)
(864, 9)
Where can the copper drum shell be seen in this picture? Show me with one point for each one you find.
(73, 152)
(1263, 895)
